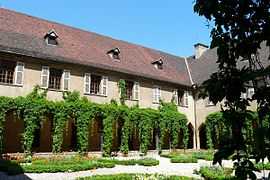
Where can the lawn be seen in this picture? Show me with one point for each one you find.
(71, 164)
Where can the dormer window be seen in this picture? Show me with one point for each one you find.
(114, 53)
(158, 64)
(51, 38)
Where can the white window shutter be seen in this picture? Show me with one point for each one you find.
(45, 73)
(104, 86)
(87, 83)
(159, 94)
(66, 80)
(136, 91)
(175, 96)
(19, 73)
(186, 98)
(154, 94)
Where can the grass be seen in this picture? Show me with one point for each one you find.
(189, 157)
(134, 176)
(218, 173)
(71, 164)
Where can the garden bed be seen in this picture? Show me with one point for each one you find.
(189, 157)
(134, 176)
(218, 173)
(70, 164)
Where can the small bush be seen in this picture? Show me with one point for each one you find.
(142, 162)
(71, 164)
(216, 173)
(148, 162)
(206, 155)
(262, 166)
(183, 159)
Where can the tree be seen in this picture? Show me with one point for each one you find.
(239, 29)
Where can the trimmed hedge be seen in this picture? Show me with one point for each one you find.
(142, 162)
(68, 164)
(189, 157)
(183, 159)
(219, 173)
(261, 166)
(134, 176)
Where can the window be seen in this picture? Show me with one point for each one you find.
(11, 72)
(7, 70)
(209, 103)
(158, 64)
(156, 94)
(129, 90)
(51, 38)
(114, 53)
(180, 97)
(132, 90)
(250, 92)
(53, 78)
(95, 84)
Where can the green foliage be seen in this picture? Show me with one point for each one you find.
(216, 173)
(68, 164)
(189, 157)
(262, 166)
(134, 176)
(239, 30)
(122, 89)
(183, 159)
(52, 166)
(142, 162)
(35, 108)
(172, 122)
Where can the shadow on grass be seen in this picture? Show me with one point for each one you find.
(11, 170)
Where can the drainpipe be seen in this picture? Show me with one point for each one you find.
(194, 87)
(195, 115)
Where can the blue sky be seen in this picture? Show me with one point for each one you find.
(170, 26)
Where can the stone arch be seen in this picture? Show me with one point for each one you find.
(43, 136)
(190, 136)
(202, 136)
(70, 136)
(117, 134)
(13, 129)
(95, 134)
(134, 141)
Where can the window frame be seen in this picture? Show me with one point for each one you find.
(49, 77)
(157, 95)
(104, 79)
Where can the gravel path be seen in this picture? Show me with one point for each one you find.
(165, 167)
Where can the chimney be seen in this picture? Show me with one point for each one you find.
(199, 49)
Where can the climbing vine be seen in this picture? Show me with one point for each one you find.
(172, 122)
(219, 128)
(34, 108)
(122, 89)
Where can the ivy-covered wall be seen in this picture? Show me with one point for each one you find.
(34, 108)
(219, 128)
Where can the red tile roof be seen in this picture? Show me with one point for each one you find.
(23, 34)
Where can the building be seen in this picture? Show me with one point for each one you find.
(60, 58)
